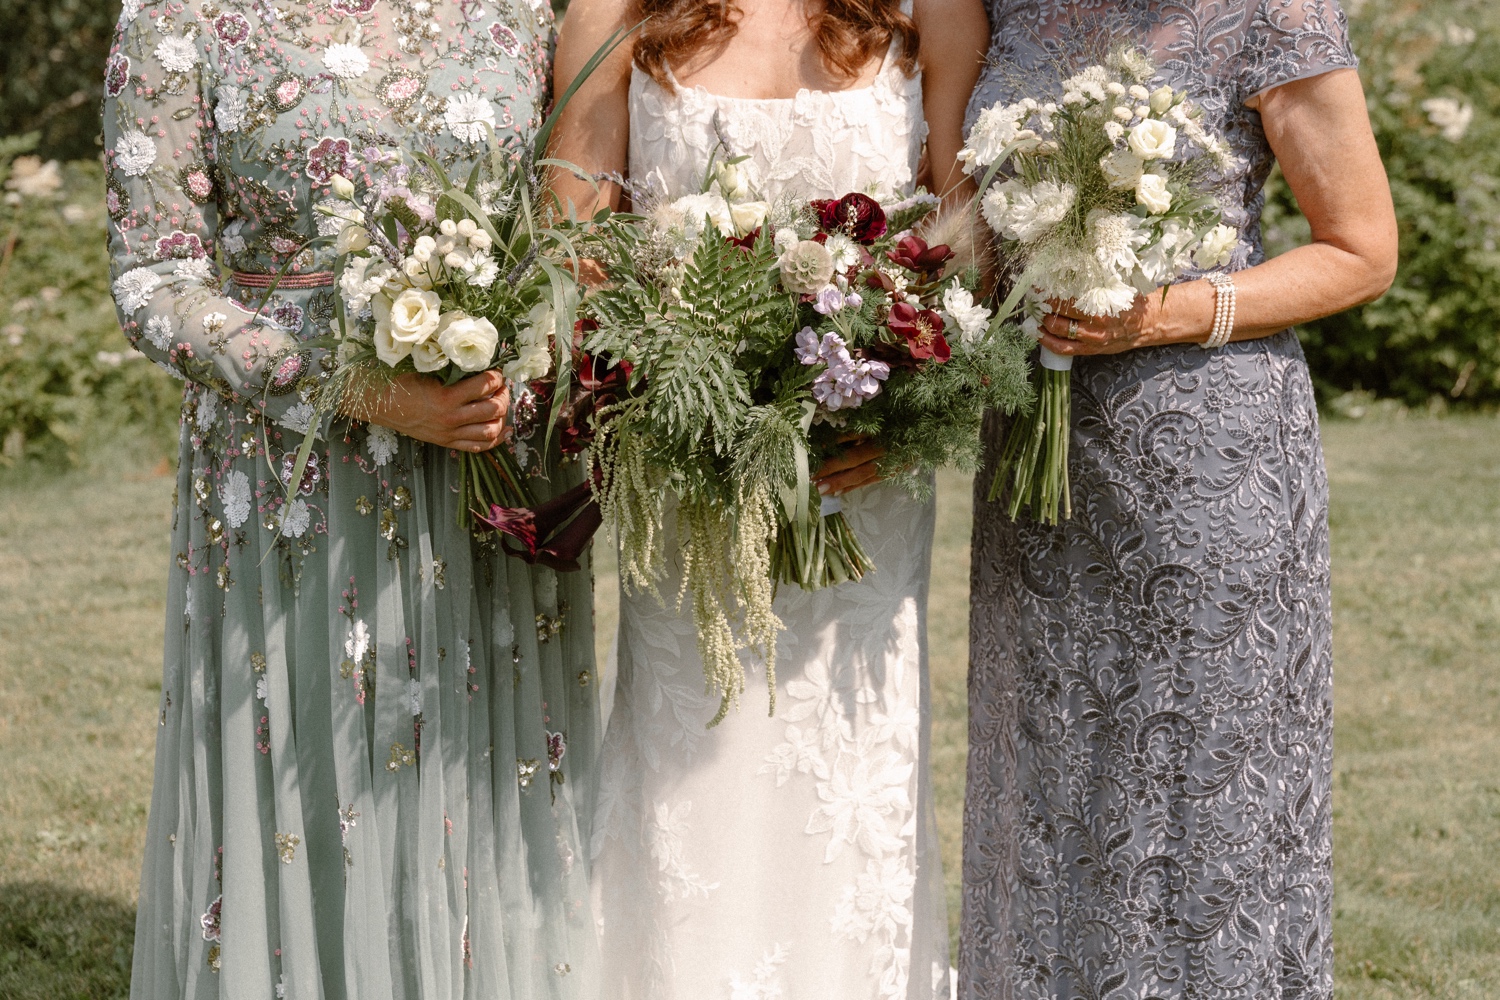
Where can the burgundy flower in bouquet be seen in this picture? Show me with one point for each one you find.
(923, 331)
(913, 253)
(858, 215)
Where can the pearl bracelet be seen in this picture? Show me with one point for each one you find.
(1224, 308)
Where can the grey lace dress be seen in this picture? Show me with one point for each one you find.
(1149, 809)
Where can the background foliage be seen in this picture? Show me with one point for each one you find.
(1436, 335)
(66, 376)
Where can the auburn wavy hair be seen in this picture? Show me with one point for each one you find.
(849, 33)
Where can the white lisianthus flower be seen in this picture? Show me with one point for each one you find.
(733, 181)
(806, 267)
(135, 287)
(346, 61)
(1162, 99)
(388, 349)
(971, 317)
(413, 315)
(1153, 140)
(135, 153)
(1451, 116)
(1216, 248)
(428, 356)
(231, 105)
(342, 187)
(381, 443)
(469, 117)
(176, 54)
(470, 341)
(352, 238)
(1123, 169)
(1151, 191)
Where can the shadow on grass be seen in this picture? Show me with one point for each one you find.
(56, 943)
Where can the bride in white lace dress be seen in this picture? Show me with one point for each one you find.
(791, 857)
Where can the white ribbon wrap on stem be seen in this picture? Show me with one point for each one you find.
(830, 506)
(1056, 362)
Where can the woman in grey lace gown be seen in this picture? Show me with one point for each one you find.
(1148, 809)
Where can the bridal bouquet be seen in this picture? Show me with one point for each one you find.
(755, 340)
(1105, 196)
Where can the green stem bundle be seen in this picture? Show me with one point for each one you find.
(1034, 460)
(489, 479)
(822, 552)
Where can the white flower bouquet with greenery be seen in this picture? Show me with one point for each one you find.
(1096, 198)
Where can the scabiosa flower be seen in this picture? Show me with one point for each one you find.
(469, 117)
(135, 153)
(135, 287)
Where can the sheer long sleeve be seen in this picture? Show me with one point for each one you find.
(163, 193)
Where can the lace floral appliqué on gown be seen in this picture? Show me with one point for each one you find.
(792, 856)
(1150, 739)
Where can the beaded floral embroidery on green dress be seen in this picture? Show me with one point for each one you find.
(376, 733)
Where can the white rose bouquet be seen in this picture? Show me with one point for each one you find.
(449, 280)
(1098, 198)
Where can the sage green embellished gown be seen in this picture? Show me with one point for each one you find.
(373, 769)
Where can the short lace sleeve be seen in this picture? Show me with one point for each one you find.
(1292, 40)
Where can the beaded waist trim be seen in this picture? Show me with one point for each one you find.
(291, 282)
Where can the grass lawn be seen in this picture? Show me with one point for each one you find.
(1416, 534)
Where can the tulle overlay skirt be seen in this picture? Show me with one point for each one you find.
(376, 736)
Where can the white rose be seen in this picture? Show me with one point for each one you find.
(748, 216)
(1152, 192)
(1217, 247)
(413, 315)
(1123, 169)
(1153, 140)
(1161, 99)
(387, 348)
(470, 341)
(428, 356)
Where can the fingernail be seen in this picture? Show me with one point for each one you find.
(824, 490)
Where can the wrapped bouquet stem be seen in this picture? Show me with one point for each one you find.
(1097, 198)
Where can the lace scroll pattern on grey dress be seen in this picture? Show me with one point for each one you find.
(1149, 809)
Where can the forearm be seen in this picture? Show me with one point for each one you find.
(1298, 287)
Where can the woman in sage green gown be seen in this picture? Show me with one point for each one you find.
(376, 732)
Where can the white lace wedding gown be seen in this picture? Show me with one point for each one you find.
(792, 857)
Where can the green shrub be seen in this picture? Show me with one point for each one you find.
(1437, 333)
(69, 382)
(52, 71)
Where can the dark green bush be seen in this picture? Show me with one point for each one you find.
(1437, 333)
(69, 382)
(51, 71)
